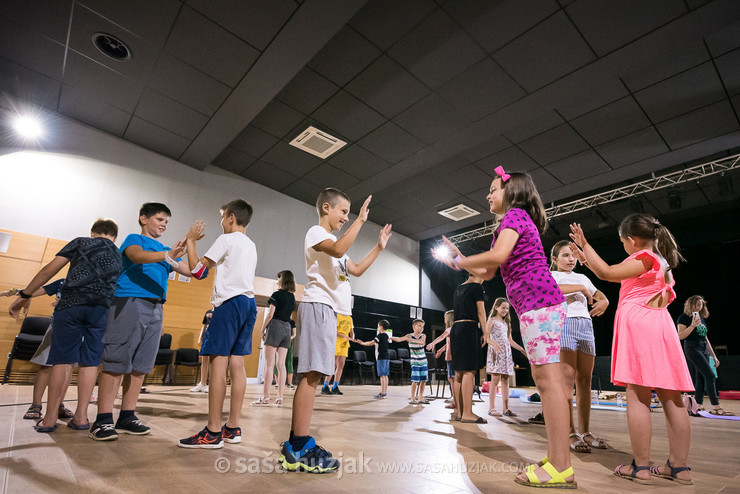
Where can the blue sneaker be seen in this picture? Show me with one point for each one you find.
(311, 458)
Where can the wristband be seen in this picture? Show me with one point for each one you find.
(169, 260)
(23, 295)
(454, 263)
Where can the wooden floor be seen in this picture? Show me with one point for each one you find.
(427, 451)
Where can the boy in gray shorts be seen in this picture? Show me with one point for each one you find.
(328, 269)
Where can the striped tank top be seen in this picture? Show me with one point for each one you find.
(417, 356)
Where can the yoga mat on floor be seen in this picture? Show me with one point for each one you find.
(726, 417)
(603, 405)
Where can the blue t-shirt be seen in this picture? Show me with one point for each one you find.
(147, 280)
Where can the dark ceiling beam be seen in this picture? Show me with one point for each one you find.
(307, 32)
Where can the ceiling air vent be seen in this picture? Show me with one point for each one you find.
(318, 143)
(112, 47)
(459, 212)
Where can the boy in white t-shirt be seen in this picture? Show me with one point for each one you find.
(327, 291)
(229, 335)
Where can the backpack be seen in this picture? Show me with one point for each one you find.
(691, 405)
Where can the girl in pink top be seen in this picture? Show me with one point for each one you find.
(540, 305)
(646, 352)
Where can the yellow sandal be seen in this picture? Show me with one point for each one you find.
(556, 481)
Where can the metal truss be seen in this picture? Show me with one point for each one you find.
(654, 183)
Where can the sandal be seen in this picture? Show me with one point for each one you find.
(655, 471)
(509, 413)
(494, 413)
(556, 480)
(279, 402)
(595, 442)
(40, 428)
(720, 411)
(33, 413)
(579, 445)
(451, 406)
(261, 402)
(65, 413)
(633, 476)
(479, 420)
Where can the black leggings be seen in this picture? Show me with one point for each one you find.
(696, 353)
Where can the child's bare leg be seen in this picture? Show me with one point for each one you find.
(269, 368)
(40, 384)
(414, 385)
(421, 390)
(679, 431)
(384, 384)
(492, 391)
(451, 380)
(584, 371)
(204, 365)
(217, 391)
(238, 387)
(505, 392)
(457, 393)
(341, 359)
(568, 362)
(281, 352)
(59, 377)
(466, 391)
(85, 383)
(303, 401)
(640, 427)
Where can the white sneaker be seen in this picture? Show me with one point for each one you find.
(205, 388)
(199, 388)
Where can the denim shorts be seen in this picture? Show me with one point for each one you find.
(77, 335)
(384, 367)
(578, 335)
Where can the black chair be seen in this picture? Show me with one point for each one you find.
(164, 356)
(27, 341)
(438, 373)
(395, 367)
(362, 365)
(188, 357)
(405, 356)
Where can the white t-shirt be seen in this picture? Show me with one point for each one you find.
(577, 302)
(236, 259)
(328, 279)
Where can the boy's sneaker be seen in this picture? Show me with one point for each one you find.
(311, 458)
(290, 386)
(231, 435)
(199, 388)
(326, 391)
(204, 439)
(133, 426)
(103, 432)
(381, 396)
(336, 391)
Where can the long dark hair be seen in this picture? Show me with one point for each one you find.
(520, 192)
(496, 305)
(646, 227)
(286, 280)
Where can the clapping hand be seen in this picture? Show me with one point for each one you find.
(384, 235)
(577, 235)
(197, 231)
(364, 210)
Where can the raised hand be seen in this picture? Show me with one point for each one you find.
(197, 231)
(365, 209)
(577, 235)
(454, 251)
(177, 250)
(384, 235)
(578, 253)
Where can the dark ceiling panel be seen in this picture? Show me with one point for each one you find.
(270, 176)
(41, 16)
(384, 22)
(681, 93)
(160, 140)
(724, 40)
(591, 93)
(577, 167)
(481, 90)
(326, 175)
(667, 64)
(254, 141)
(466, 180)
(29, 85)
(544, 180)
(347, 116)
(31, 50)
(346, 55)
(307, 91)
(431, 119)
(494, 24)
(729, 70)
(358, 161)
(553, 144)
(441, 170)
(704, 123)
(215, 51)
(432, 195)
(610, 25)
(436, 50)
(611, 121)
(278, 119)
(169, 114)
(386, 87)
(99, 114)
(391, 143)
(512, 159)
(303, 191)
(234, 160)
(291, 159)
(535, 126)
(146, 19)
(486, 148)
(632, 148)
(109, 86)
(549, 51)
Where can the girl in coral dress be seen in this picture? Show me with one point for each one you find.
(646, 351)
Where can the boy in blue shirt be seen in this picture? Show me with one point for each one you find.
(80, 316)
(135, 321)
(228, 337)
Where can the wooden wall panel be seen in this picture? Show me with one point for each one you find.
(25, 246)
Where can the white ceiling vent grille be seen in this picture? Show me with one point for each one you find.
(318, 143)
(459, 212)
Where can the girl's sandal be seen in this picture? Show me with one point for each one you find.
(633, 475)
(33, 413)
(655, 471)
(494, 413)
(279, 402)
(594, 442)
(556, 480)
(579, 445)
(509, 413)
(262, 402)
(720, 411)
(65, 413)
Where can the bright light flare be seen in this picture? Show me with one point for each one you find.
(442, 252)
(28, 127)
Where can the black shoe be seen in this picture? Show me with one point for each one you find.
(326, 391)
(103, 432)
(133, 426)
(538, 419)
(336, 391)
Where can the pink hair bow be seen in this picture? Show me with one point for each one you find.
(501, 173)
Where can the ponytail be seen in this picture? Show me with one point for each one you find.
(667, 246)
(646, 227)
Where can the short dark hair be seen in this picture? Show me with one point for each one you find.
(103, 226)
(331, 196)
(383, 323)
(149, 209)
(241, 211)
(287, 280)
(417, 320)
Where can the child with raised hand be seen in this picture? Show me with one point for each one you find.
(418, 360)
(382, 360)
(540, 305)
(646, 351)
(577, 346)
(500, 363)
(229, 335)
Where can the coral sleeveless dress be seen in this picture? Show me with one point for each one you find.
(646, 350)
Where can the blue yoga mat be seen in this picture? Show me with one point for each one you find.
(708, 415)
